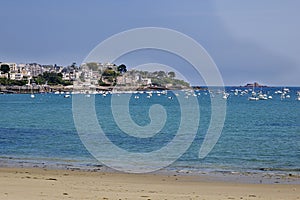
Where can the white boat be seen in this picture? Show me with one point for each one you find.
(31, 89)
(253, 98)
(262, 96)
(225, 95)
(286, 90)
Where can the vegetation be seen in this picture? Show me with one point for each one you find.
(5, 81)
(93, 66)
(160, 78)
(5, 69)
(122, 68)
(110, 72)
(51, 78)
(171, 74)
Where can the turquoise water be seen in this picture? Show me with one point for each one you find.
(257, 135)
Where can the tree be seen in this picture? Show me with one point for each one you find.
(122, 68)
(52, 78)
(74, 65)
(39, 80)
(171, 74)
(92, 65)
(161, 74)
(109, 72)
(5, 69)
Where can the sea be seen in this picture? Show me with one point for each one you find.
(258, 137)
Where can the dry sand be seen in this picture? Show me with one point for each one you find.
(19, 183)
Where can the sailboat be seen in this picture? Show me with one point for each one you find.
(32, 95)
(253, 95)
(225, 95)
(262, 96)
(253, 98)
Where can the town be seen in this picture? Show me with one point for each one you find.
(38, 78)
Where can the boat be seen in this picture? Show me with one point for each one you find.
(262, 96)
(225, 95)
(253, 98)
(282, 96)
(31, 90)
(286, 90)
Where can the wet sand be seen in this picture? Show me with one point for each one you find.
(37, 183)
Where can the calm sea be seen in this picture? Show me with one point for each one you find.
(257, 135)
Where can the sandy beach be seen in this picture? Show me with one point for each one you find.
(36, 183)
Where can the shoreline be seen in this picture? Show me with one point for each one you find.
(37, 183)
(212, 174)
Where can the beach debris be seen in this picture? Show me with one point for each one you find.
(51, 179)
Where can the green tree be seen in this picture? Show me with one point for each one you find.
(74, 65)
(5, 69)
(122, 68)
(161, 74)
(171, 75)
(53, 78)
(109, 72)
(93, 66)
(39, 80)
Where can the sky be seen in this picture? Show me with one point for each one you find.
(250, 40)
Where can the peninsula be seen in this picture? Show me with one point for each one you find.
(37, 78)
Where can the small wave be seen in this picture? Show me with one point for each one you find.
(279, 169)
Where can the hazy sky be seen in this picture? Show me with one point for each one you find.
(251, 40)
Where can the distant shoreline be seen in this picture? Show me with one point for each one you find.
(51, 89)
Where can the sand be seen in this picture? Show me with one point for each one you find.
(32, 183)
